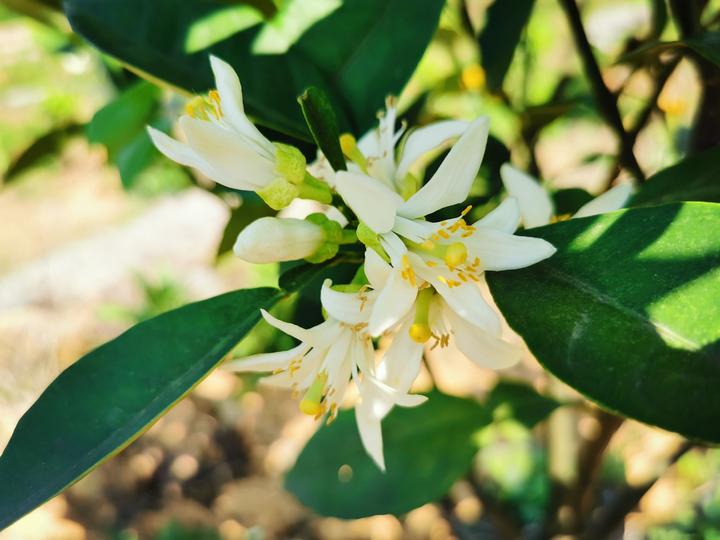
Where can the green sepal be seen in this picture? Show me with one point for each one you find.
(372, 240)
(279, 193)
(333, 238)
(290, 163)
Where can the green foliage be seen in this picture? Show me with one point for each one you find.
(110, 396)
(339, 53)
(628, 312)
(505, 20)
(322, 123)
(695, 178)
(517, 400)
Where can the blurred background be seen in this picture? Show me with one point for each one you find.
(100, 232)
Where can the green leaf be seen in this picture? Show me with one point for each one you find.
(339, 53)
(100, 404)
(321, 120)
(427, 448)
(569, 201)
(517, 400)
(706, 45)
(504, 22)
(693, 179)
(628, 312)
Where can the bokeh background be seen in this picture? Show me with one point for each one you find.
(95, 237)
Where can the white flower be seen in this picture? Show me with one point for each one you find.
(270, 239)
(328, 357)
(536, 205)
(226, 147)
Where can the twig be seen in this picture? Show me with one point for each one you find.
(611, 516)
(606, 101)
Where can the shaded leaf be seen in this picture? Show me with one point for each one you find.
(519, 401)
(321, 120)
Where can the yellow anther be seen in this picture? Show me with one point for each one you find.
(352, 152)
(420, 332)
(311, 403)
(201, 107)
(407, 272)
(456, 254)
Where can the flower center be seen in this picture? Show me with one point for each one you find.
(312, 402)
(205, 107)
(420, 329)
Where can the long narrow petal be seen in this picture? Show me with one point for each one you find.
(501, 251)
(268, 361)
(290, 329)
(452, 181)
(231, 99)
(415, 230)
(505, 218)
(350, 308)
(370, 431)
(393, 303)
(426, 139)
(401, 362)
(234, 163)
(536, 206)
(483, 348)
(466, 300)
(371, 200)
(179, 152)
(609, 201)
(376, 269)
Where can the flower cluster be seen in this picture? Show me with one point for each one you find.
(419, 285)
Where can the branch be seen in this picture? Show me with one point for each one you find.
(606, 101)
(611, 516)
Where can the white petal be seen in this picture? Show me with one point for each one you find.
(230, 90)
(501, 251)
(290, 329)
(370, 432)
(452, 181)
(609, 201)
(401, 362)
(506, 217)
(466, 300)
(394, 247)
(425, 139)
(268, 361)
(234, 163)
(415, 230)
(338, 363)
(392, 304)
(349, 308)
(536, 206)
(179, 152)
(483, 348)
(372, 201)
(376, 269)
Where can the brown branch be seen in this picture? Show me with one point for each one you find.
(606, 101)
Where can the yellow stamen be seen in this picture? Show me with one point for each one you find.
(311, 403)
(407, 272)
(352, 152)
(420, 330)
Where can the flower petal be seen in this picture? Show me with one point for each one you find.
(268, 361)
(233, 163)
(483, 348)
(376, 269)
(452, 181)
(392, 304)
(290, 329)
(230, 90)
(401, 362)
(371, 200)
(501, 251)
(370, 431)
(609, 201)
(179, 152)
(536, 206)
(425, 139)
(415, 230)
(506, 217)
(349, 308)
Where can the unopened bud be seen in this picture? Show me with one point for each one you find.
(271, 239)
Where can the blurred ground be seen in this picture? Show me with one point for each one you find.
(81, 260)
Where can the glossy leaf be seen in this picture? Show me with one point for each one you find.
(695, 178)
(707, 45)
(106, 399)
(505, 21)
(628, 312)
(169, 41)
(427, 448)
(321, 120)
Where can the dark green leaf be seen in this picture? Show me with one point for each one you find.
(696, 178)
(706, 45)
(505, 21)
(517, 400)
(628, 312)
(135, 157)
(106, 399)
(170, 41)
(321, 120)
(569, 201)
(427, 448)
(47, 145)
(308, 278)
